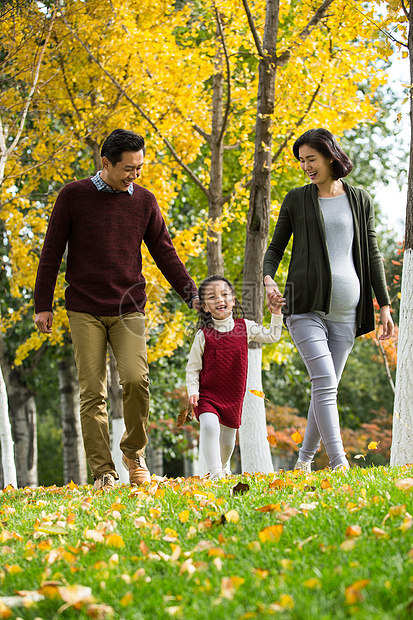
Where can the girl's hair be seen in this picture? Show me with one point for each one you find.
(325, 143)
(205, 318)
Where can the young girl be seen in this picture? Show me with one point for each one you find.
(216, 373)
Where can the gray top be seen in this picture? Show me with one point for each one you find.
(345, 294)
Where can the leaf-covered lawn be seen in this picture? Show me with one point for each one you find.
(329, 545)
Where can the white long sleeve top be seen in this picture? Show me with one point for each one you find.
(255, 332)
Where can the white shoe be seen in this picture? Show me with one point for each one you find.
(218, 475)
(306, 467)
(342, 467)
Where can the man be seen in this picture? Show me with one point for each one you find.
(103, 221)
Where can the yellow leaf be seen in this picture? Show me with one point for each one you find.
(353, 531)
(257, 393)
(13, 569)
(296, 437)
(52, 529)
(216, 552)
(271, 533)
(183, 516)
(269, 508)
(232, 516)
(312, 584)
(378, 532)
(325, 484)
(348, 545)
(72, 485)
(127, 599)
(5, 612)
(353, 594)
(114, 540)
(373, 445)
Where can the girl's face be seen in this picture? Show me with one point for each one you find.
(315, 165)
(218, 299)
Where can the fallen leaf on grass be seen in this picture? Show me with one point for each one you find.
(232, 516)
(269, 508)
(312, 584)
(348, 545)
(240, 488)
(353, 594)
(286, 602)
(5, 612)
(100, 611)
(72, 595)
(405, 484)
(379, 533)
(271, 533)
(229, 585)
(114, 540)
(325, 484)
(52, 529)
(353, 531)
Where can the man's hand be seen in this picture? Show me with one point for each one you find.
(43, 321)
(387, 322)
(193, 400)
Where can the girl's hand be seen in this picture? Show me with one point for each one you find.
(271, 290)
(387, 322)
(276, 302)
(193, 400)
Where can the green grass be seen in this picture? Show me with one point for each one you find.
(200, 564)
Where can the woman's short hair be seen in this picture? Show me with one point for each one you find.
(121, 141)
(325, 143)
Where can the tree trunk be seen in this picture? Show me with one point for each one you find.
(256, 453)
(215, 260)
(402, 442)
(7, 448)
(116, 411)
(23, 418)
(74, 459)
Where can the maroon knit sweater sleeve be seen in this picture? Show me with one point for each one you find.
(104, 233)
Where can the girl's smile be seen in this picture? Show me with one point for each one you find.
(218, 300)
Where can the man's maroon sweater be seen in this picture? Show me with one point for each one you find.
(104, 232)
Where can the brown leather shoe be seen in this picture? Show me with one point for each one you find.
(138, 472)
(105, 482)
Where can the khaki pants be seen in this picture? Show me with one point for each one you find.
(126, 335)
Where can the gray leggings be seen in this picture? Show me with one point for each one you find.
(324, 347)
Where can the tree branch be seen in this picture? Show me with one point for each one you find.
(298, 123)
(114, 81)
(228, 104)
(34, 84)
(253, 29)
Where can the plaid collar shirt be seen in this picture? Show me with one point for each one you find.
(104, 187)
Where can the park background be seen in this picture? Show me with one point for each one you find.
(189, 76)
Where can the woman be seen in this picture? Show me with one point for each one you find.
(335, 263)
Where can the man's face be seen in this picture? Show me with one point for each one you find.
(122, 174)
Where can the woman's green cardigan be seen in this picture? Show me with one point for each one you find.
(309, 278)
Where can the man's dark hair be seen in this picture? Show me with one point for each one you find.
(119, 141)
(325, 143)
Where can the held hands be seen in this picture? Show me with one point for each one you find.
(43, 321)
(387, 322)
(275, 300)
(193, 400)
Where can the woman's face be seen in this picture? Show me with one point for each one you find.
(218, 299)
(315, 165)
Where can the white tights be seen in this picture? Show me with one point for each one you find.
(216, 442)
